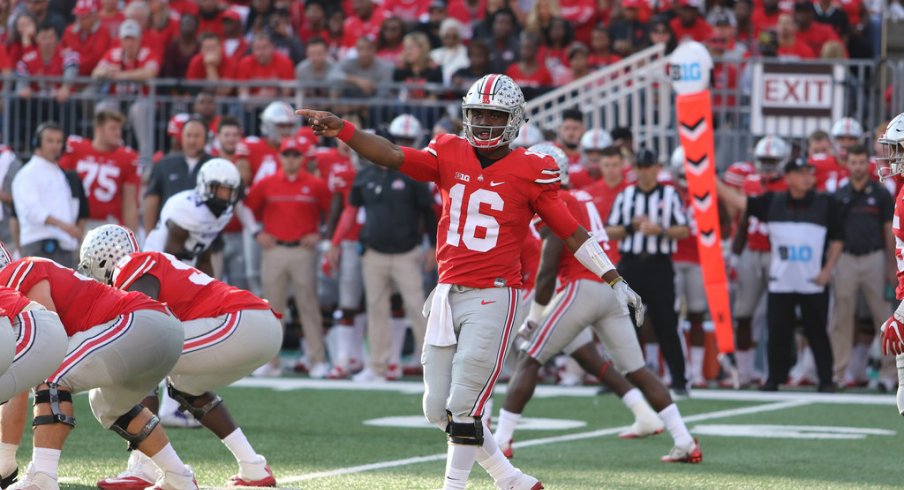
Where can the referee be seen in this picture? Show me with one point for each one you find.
(648, 218)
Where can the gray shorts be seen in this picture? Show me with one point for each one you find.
(219, 351)
(581, 304)
(351, 283)
(40, 345)
(460, 378)
(689, 287)
(121, 361)
(753, 279)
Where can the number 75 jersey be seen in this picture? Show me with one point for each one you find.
(487, 211)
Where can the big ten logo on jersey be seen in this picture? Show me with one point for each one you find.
(795, 253)
(480, 231)
(99, 178)
(462, 177)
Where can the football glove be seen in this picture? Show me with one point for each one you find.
(525, 334)
(892, 340)
(627, 296)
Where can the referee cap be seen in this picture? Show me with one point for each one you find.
(799, 163)
(645, 158)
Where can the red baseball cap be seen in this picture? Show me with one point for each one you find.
(231, 14)
(301, 145)
(175, 125)
(86, 7)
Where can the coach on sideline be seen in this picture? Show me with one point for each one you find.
(806, 230)
(648, 218)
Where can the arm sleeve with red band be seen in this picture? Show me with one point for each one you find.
(347, 131)
(420, 165)
(555, 214)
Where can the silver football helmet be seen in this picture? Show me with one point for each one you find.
(102, 248)
(547, 148)
(595, 139)
(847, 126)
(529, 135)
(497, 93)
(770, 155)
(406, 127)
(277, 114)
(892, 143)
(676, 164)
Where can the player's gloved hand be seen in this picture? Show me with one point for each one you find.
(892, 340)
(629, 297)
(525, 334)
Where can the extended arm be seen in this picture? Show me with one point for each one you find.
(175, 241)
(371, 147)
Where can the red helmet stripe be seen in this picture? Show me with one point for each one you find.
(487, 90)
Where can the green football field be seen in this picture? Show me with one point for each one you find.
(339, 435)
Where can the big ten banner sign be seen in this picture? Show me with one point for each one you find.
(795, 99)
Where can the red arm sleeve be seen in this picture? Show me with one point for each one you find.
(421, 165)
(555, 214)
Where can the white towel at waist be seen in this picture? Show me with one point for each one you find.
(440, 329)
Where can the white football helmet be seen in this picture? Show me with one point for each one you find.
(595, 140)
(5, 256)
(529, 135)
(406, 127)
(847, 126)
(770, 155)
(275, 114)
(892, 143)
(676, 162)
(547, 148)
(103, 248)
(498, 93)
(216, 173)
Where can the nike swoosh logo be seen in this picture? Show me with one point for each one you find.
(485, 302)
(494, 184)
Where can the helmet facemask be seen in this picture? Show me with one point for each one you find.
(219, 196)
(769, 168)
(891, 161)
(496, 136)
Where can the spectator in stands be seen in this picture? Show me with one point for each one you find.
(6, 14)
(284, 39)
(789, 43)
(600, 49)
(556, 41)
(165, 21)
(389, 41)
(661, 33)
(478, 66)
(291, 206)
(365, 20)
(22, 37)
(629, 34)
(176, 172)
(746, 30)
(314, 24)
(259, 15)
(826, 12)
(578, 64)
(539, 18)
(335, 26)
(409, 11)
(43, 15)
(582, 16)
(833, 50)
(725, 27)
(688, 22)
(50, 213)
(529, 73)
(765, 16)
(315, 68)
(234, 45)
(453, 54)
(179, 53)
(724, 74)
(211, 63)
(211, 16)
(139, 12)
(86, 36)
(264, 65)
(364, 74)
(436, 14)
(417, 69)
(811, 33)
(48, 60)
(111, 16)
(503, 39)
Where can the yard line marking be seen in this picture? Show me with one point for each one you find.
(542, 441)
(417, 387)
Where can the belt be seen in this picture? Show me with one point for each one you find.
(281, 243)
(860, 254)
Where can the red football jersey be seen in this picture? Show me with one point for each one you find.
(487, 211)
(828, 172)
(114, 57)
(530, 258)
(188, 292)
(603, 198)
(12, 302)
(757, 231)
(899, 243)
(81, 302)
(336, 170)
(263, 158)
(103, 175)
(582, 207)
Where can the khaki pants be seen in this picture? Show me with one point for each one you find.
(380, 271)
(855, 273)
(282, 266)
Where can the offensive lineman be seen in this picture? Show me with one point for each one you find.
(229, 332)
(561, 322)
(490, 194)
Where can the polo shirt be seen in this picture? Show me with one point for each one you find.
(289, 208)
(865, 213)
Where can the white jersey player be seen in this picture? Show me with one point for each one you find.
(191, 220)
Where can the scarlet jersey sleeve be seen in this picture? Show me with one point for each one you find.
(423, 164)
(554, 212)
(899, 243)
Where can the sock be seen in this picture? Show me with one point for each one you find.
(360, 327)
(46, 460)
(240, 447)
(492, 460)
(899, 361)
(505, 428)
(675, 424)
(345, 340)
(651, 351)
(856, 369)
(697, 354)
(459, 461)
(399, 326)
(168, 461)
(167, 404)
(8, 458)
(638, 405)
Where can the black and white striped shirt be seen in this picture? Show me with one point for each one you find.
(662, 204)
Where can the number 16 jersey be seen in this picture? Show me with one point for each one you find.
(487, 211)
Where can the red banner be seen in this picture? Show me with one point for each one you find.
(696, 132)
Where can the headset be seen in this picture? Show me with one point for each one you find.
(37, 140)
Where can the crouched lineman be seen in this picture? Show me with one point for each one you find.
(120, 345)
(893, 329)
(229, 333)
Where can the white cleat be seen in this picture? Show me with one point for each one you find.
(35, 480)
(640, 429)
(319, 371)
(267, 371)
(368, 376)
(177, 419)
(520, 482)
(140, 473)
(176, 481)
